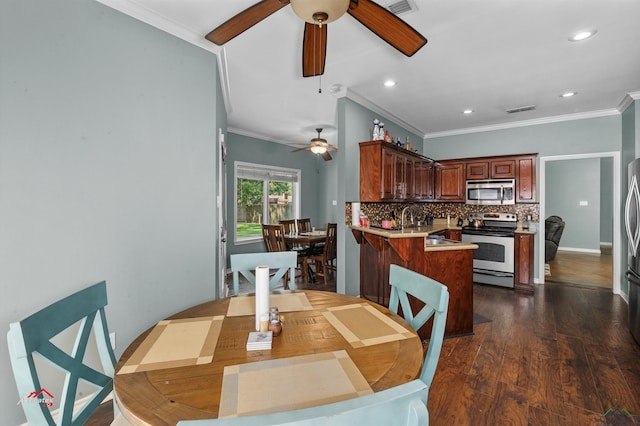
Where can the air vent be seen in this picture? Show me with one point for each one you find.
(401, 7)
(521, 109)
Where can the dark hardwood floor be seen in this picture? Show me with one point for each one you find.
(560, 356)
(587, 269)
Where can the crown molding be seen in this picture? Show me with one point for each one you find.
(533, 122)
(628, 100)
(375, 108)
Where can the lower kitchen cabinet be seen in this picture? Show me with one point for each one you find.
(453, 268)
(524, 261)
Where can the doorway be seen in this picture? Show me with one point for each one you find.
(615, 285)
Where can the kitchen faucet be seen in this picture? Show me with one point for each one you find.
(402, 216)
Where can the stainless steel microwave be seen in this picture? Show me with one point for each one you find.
(491, 192)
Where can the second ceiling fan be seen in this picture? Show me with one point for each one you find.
(317, 14)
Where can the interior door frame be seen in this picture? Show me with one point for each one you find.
(616, 285)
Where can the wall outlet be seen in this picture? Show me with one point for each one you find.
(334, 202)
(112, 339)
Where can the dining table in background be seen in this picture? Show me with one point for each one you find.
(174, 371)
(306, 239)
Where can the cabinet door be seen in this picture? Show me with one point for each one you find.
(423, 180)
(409, 178)
(450, 182)
(388, 178)
(524, 261)
(478, 170)
(526, 179)
(400, 177)
(503, 169)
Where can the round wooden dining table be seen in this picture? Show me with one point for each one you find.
(160, 380)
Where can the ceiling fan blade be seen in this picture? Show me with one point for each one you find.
(314, 49)
(300, 149)
(326, 156)
(387, 26)
(245, 20)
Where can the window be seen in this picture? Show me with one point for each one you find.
(263, 194)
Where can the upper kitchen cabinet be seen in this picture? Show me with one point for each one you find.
(491, 169)
(526, 179)
(449, 181)
(390, 173)
(522, 168)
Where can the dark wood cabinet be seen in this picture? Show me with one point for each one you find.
(453, 268)
(526, 179)
(423, 180)
(524, 261)
(449, 181)
(503, 168)
(389, 173)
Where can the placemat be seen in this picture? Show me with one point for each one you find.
(363, 325)
(290, 384)
(176, 343)
(287, 302)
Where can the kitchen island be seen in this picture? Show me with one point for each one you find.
(446, 261)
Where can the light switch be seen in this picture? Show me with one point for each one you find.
(584, 203)
(334, 202)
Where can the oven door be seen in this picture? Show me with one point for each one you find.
(493, 260)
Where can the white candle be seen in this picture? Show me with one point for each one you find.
(262, 293)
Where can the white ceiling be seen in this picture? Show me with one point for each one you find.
(486, 55)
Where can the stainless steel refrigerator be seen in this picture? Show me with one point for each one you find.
(632, 226)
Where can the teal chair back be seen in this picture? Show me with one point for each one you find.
(436, 302)
(31, 338)
(403, 405)
(246, 263)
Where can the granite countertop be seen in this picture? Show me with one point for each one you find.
(421, 232)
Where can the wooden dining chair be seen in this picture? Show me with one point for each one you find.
(403, 405)
(273, 237)
(324, 261)
(435, 297)
(30, 343)
(246, 263)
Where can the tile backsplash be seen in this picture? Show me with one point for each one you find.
(377, 212)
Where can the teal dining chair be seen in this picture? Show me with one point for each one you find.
(30, 343)
(436, 303)
(281, 261)
(403, 405)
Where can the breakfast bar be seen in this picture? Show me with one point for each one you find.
(447, 261)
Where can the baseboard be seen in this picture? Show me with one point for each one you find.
(580, 250)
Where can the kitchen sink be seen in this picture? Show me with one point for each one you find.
(437, 242)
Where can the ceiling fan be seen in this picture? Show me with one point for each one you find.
(318, 13)
(319, 146)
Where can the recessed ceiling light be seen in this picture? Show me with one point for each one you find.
(583, 35)
(568, 94)
(389, 83)
(467, 111)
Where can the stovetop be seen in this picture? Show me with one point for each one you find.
(499, 224)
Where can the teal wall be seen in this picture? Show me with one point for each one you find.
(252, 150)
(568, 183)
(107, 168)
(588, 135)
(606, 200)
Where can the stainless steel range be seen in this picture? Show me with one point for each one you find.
(494, 234)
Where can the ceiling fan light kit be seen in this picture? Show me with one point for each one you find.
(319, 12)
